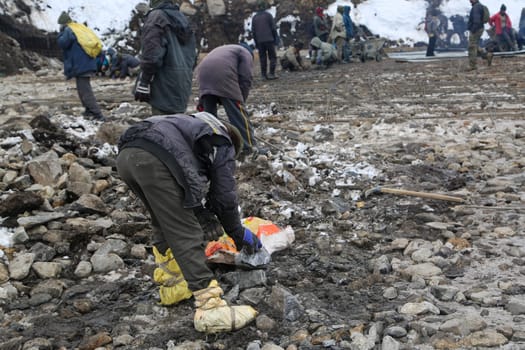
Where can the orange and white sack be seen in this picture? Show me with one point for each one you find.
(272, 237)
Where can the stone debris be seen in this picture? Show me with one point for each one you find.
(385, 272)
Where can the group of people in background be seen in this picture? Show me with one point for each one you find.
(330, 43)
(503, 37)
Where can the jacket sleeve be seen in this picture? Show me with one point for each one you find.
(65, 38)
(222, 195)
(245, 75)
(492, 19)
(154, 45)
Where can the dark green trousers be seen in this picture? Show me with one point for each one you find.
(174, 226)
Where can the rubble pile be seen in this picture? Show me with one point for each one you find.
(376, 271)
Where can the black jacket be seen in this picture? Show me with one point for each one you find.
(263, 28)
(200, 156)
(167, 57)
(475, 19)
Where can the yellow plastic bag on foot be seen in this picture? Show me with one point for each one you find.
(173, 286)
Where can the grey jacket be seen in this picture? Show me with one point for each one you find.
(226, 72)
(325, 52)
(200, 156)
(167, 57)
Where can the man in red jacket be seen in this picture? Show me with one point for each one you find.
(504, 33)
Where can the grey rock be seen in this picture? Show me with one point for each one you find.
(20, 266)
(106, 262)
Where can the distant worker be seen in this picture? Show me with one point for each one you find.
(349, 30)
(122, 65)
(291, 59)
(521, 30)
(326, 54)
(504, 32)
(167, 58)
(321, 25)
(225, 78)
(476, 28)
(266, 38)
(432, 29)
(102, 63)
(79, 65)
(338, 33)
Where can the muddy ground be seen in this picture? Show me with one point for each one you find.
(335, 133)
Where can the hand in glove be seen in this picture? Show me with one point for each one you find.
(209, 223)
(142, 91)
(247, 241)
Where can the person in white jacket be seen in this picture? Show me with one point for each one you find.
(338, 33)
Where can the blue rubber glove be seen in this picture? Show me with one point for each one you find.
(248, 241)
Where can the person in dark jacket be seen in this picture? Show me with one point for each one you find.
(476, 28)
(225, 77)
(265, 37)
(122, 65)
(167, 59)
(521, 30)
(432, 29)
(174, 163)
(79, 65)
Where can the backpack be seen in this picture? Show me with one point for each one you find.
(486, 14)
(87, 39)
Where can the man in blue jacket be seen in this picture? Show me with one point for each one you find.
(167, 59)
(173, 164)
(79, 65)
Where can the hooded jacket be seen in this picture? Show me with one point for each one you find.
(320, 23)
(76, 61)
(168, 57)
(325, 52)
(199, 154)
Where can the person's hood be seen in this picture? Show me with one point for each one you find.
(319, 11)
(178, 21)
(316, 42)
(346, 10)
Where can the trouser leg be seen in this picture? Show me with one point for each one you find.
(152, 181)
(339, 43)
(239, 118)
(473, 47)
(263, 57)
(85, 93)
(272, 55)
(209, 103)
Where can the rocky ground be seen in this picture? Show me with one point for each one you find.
(381, 271)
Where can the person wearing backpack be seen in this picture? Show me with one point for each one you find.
(79, 65)
(476, 26)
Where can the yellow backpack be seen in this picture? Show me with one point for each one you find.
(87, 39)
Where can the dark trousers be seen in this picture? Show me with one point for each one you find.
(431, 45)
(267, 52)
(174, 226)
(236, 113)
(87, 98)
